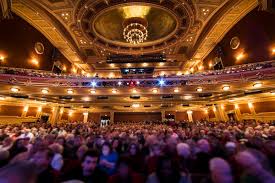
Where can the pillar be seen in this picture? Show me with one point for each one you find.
(162, 116)
(39, 111)
(222, 114)
(60, 113)
(252, 110)
(112, 117)
(238, 112)
(85, 114)
(190, 117)
(217, 116)
(25, 110)
(54, 116)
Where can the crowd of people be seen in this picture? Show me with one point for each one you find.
(199, 152)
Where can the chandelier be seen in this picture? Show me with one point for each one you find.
(135, 30)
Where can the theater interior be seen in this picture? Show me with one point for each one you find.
(137, 91)
(130, 60)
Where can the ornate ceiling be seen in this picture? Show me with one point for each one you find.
(87, 31)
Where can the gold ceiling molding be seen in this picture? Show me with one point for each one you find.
(221, 24)
(50, 29)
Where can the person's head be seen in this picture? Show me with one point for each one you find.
(220, 171)
(133, 149)
(183, 150)
(19, 172)
(204, 145)
(230, 148)
(106, 149)
(56, 148)
(81, 151)
(7, 141)
(123, 167)
(43, 158)
(89, 162)
(166, 167)
(156, 149)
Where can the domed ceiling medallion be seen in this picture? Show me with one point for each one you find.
(235, 43)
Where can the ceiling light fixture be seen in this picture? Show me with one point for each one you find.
(226, 87)
(257, 85)
(134, 91)
(145, 64)
(176, 90)
(240, 56)
(199, 89)
(155, 90)
(135, 105)
(15, 90)
(70, 91)
(188, 97)
(45, 91)
(114, 91)
(35, 62)
(92, 91)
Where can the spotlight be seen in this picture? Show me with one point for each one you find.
(240, 56)
(93, 83)
(189, 112)
(257, 85)
(34, 62)
(161, 82)
(137, 82)
(70, 91)
(2, 58)
(64, 68)
(85, 113)
(15, 90)
(226, 87)
(39, 109)
(273, 51)
(92, 91)
(273, 92)
(45, 91)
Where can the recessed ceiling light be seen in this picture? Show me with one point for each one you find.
(176, 90)
(257, 85)
(92, 91)
(136, 105)
(145, 64)
(134, 91)
(226, 87)
(86, 99)
(199, 89)
(15, 89)
(114, 91)
(155, 90)
(70, 91)
(129, 65)
(45, 91)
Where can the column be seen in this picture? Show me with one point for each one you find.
(190, 117)
(217, 116)
(252, 110)
(85, 114)
(112, 117)
(60, 113)
(222, 114)
(39, 111)
(25, 110)
(54, 116)
(238, 112)
(162, 116)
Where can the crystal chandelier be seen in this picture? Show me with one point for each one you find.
(135, 30)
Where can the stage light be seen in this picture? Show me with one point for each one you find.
(161, 82)
(45, 91)
(187, 72)
(61, 111)
(199, 89)
(15, 90)
(135, 105)
(93, 83)
(137, 82)
(222, 107)
(257, 85)
(273, 51)
(210, 65)
(114, 91)
(119, 83)
(88, 75)
(206, 111)
(226, 87)
(155, 90)
(74, 70)
(176, 90)
(214, 109)
(92, 91)
(272, 93)
(192, 70)
(201, 67)
(70, 91)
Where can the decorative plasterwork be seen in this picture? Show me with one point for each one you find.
(220, 25)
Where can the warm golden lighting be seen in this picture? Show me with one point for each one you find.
(155, 90)
(86, 99)
(70, 113)
(226, 87)
(210, 65)
(257, 85)
(192, 69)
(250, 105)
(85, 113)
(135, 11)
(236, 106)
(145, 64)
(2, 98)
(83, 72)
(161, 64)
(273, 51)
(189, 112)
(111, 75)
(214, 109)
(61, 111)
(88, 75)
(134, 91)
(15, 89)
(2, 58)
(45, 91)
(114, 91)
(272, 93)
(240, 56)
(176, 90)
(64, 68)
(74, 70)
(70, 91)
(162, 73)
(112, 65)
(201, 67)
(206, 111)
(187, 72)
(179, 73)
(135, 105)
(222, 107)
(34, 61)
(129, 65)
(93, 91)
(199, 89)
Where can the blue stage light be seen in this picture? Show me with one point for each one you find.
(93, 84)
(161, 82)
